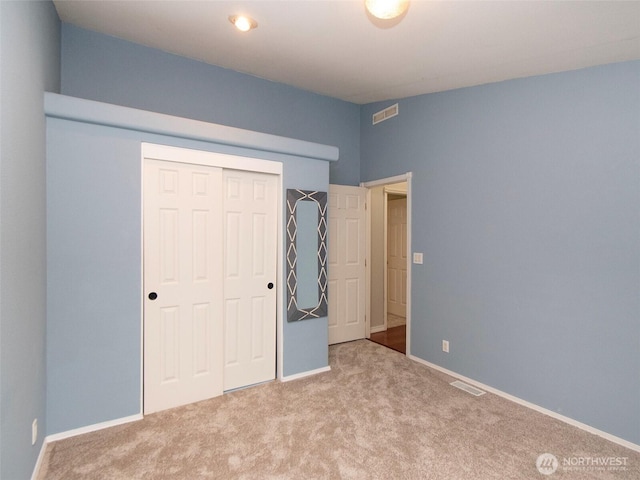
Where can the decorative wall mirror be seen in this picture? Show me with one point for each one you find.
(306, 255)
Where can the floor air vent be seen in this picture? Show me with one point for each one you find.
(385, 114)
(468, 388)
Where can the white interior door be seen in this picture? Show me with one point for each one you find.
(250, 226)
(397, 257)
(182, 284)
(347, 253)
(210, 256)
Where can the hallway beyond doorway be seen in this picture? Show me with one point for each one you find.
(393, 338)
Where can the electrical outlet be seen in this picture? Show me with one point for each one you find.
(34, 431)
(445, 346)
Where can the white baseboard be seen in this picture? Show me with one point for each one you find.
(92, 428)
(78, 431)
(533, 406)
(309, 373)
(379, 328)
(36, 469)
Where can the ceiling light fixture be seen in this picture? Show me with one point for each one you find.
(386, 9)
(243, 23)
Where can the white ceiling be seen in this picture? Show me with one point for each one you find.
(334, 48)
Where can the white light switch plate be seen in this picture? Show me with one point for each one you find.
(417, 257)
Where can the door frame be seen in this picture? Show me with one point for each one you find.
(225, 161)
(406, 177)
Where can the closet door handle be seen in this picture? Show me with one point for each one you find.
(269, 285)
(153, 296)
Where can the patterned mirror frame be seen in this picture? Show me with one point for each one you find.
(294, 312)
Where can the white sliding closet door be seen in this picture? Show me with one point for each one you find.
(183, 289)
(250, 226)
(210, 255)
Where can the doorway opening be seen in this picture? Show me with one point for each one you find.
(389, 247)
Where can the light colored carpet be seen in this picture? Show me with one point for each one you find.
(376, 415)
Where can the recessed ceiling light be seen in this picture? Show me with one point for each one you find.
(243, 23)
(386, 9)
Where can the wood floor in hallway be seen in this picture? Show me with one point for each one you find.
(394, 338)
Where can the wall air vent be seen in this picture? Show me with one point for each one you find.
(467, 388)
(385, 114)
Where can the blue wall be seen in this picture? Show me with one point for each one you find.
(29, 43)
(94, 260)
(526, 202)
(526, 199)
(107, 69)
